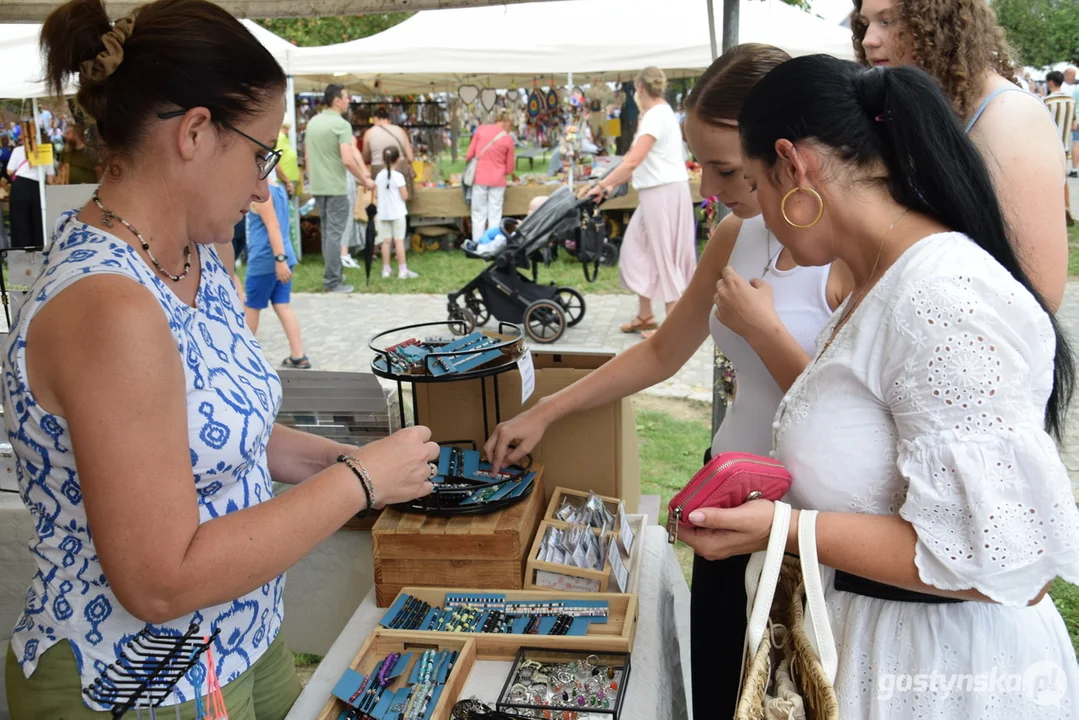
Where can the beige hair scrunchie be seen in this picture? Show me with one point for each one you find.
(106, 62)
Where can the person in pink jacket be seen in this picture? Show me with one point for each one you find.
(493, 146)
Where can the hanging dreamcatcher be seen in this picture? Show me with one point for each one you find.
(535, 104)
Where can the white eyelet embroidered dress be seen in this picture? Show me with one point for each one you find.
(233, 396)
(929, 404)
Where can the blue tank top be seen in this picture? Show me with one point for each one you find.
(233, 395)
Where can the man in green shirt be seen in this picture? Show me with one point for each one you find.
(328, 155)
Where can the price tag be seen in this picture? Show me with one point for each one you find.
(528, 375)
(625, 535)
(618, 568)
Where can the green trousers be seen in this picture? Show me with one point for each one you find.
(266, 691)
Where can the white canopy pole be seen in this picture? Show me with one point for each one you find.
(712, 29)
(41, 182)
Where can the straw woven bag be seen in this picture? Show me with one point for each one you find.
(790, 657)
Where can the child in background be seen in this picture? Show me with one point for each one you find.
(392, 213)
(269, 270)
(492, 241)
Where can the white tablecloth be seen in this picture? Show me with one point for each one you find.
(659, 686)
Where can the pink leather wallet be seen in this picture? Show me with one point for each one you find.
(728, 480)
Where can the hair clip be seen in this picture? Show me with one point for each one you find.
(880, 118)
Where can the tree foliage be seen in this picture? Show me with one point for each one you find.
(307, 32)
(1042, 31)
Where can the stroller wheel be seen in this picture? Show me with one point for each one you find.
(572, 303)
(474, 302)
(462, 321)
(545, 321)
(608, 256)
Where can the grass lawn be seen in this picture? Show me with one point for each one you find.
(1073, 250)
(445, 271)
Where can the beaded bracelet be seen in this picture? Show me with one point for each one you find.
(363, 476)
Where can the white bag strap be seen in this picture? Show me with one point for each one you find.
(817, 625)
(762, 577)
(487, 147)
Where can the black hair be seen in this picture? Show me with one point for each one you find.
(333, 91)
(898, 118)
(1055, 76)
(179, 54)
(390, 156)
(382, 113)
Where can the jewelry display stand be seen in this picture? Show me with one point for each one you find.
(506, 348)
(148, 668)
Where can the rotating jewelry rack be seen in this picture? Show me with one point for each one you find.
(148, 668)
(509, 345)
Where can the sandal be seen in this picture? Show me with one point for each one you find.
(639, 323)
(300, 363)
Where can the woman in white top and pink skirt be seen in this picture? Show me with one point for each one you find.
(659, 252)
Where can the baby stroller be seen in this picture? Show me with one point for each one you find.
(502, 291)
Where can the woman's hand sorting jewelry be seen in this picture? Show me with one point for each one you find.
(514, 439)
(722, 533)
(399, 465)
(745, 307)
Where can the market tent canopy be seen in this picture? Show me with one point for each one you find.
(23, 69)
(37, 10)
(592, 38)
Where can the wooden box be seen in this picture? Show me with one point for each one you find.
(381, 643)
(603, 577)
(616, 635)
(567, 577)
(561, 492)
(483, 551)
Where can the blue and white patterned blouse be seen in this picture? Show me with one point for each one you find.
(233, 395)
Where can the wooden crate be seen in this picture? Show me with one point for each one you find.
(616, 635)
(633, 564)
(490, 551)
(561, 492)
(381, 643)
(575, 578)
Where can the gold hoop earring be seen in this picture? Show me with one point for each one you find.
(820, 208)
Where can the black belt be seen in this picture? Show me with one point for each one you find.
(871, 588)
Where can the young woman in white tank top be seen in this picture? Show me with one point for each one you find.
(752, 320)
(801, 302)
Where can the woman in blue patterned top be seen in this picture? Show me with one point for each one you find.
(140, 407)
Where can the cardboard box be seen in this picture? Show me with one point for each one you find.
(591, 450)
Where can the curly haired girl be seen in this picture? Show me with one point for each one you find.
(960, 44)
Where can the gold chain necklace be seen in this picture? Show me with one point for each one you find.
(861, 296)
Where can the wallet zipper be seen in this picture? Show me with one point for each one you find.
(675, 517)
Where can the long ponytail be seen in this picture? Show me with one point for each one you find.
(897, 117)
(390, 156)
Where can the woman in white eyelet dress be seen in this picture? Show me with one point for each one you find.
(912, 387)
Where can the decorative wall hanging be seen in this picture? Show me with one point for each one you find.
(488, 97)
(552, 99)
(468, 94)
(535, 104)
(513, 96)
(596, 105)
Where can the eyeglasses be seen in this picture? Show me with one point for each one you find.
(265, 163)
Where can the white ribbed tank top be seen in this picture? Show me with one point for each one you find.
(802, 304)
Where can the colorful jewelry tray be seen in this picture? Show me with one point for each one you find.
(492, 613)
(436, 357)
(600, 622)
(402, 677)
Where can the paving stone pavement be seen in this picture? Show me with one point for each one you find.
(336, 331)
